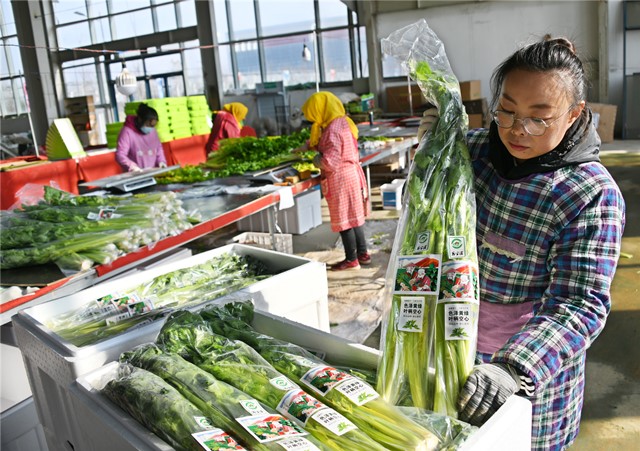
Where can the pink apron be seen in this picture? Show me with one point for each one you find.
(499, 322)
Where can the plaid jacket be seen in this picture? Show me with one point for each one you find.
(552, 239)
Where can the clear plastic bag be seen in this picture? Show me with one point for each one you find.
(429, 333)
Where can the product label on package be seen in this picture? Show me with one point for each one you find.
(460, 280)
(282, 383)
(418, 274)
(411, 315)
(333, 421)
(358, 391)
(299, 405)
(267, 428)
(252, 407)
(324, 378)
(459, 320)
(103, 213)
(216, 439)
(456, 247)
(422, 242)
(297, 444)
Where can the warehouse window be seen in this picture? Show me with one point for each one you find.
(82, 23)
(259, 43)
(12, 93)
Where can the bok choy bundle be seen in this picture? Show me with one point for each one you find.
(430, 326)
(257, 426)
(349, 395)
(236, 363)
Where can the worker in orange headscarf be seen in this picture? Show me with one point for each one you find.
(335, 137)
(227, 124)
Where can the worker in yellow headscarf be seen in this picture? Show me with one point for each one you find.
(335, 137)
(227, 124)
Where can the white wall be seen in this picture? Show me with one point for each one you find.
(479, 36)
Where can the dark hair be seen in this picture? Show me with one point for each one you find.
(549, 55)
(146, 113)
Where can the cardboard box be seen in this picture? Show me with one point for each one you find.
(470, 90)
(476, 121)
(606, 120)
(398, 98)
(480, 106)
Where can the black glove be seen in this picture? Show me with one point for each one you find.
(486, 389)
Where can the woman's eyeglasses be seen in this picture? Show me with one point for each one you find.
(532, 125)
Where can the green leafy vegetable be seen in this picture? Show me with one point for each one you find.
(226, 406)
(349, 395)
(438, 224)
(236, 363)
(115, 313)
(158, 406)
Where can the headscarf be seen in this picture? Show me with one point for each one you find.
(322, 108)
(581, 144)
(238, 110)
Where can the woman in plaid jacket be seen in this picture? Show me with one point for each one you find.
(550, 223)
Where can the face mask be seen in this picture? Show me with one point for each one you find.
(146, 130)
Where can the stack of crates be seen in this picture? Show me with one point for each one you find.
(113, 131)
(180, 119)
(200, 115)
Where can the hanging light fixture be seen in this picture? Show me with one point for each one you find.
(306, 53)
(126, 83)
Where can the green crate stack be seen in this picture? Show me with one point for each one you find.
(200, 115)
(179, 116)
(113, 131)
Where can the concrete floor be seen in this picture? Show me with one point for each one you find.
(611, 413)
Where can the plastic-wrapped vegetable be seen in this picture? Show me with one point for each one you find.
(163, 410)
(256, 425)
(432, 281)
(349, 395)
(238, 364)
(115, 312)
(451, 432)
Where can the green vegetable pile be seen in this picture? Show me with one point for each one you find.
(254, 423)
(187, 174)
(77, 232)
(162, 409)
(347, 394)
(193, 378)
(117, 312)
(236, 363)
(429, 335)
(238, 156)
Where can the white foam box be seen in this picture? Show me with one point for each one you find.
(305, 215)
(298, 292)
(105, 427)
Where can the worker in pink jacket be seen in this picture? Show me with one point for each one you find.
(139, 146)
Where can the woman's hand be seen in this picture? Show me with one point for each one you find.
(487, 388)
(429, 117)
(317, 160)
(302, 148)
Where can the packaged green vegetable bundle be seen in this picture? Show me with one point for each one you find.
(236, 363)
(77, 232)
(430, 326)
(164, 411)
(259, 427)
(349, 395)
(117, 311)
